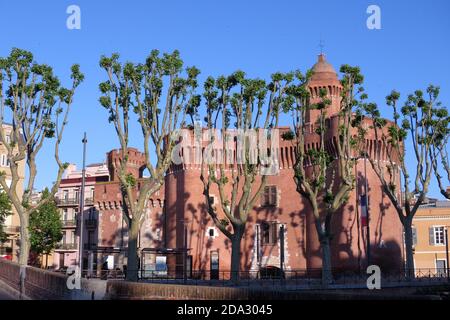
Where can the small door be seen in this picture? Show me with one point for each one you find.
(214, 265)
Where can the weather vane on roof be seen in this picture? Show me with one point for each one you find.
(321, 45)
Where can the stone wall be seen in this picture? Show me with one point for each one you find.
(9, 273)
(46, 285)
(123, 290)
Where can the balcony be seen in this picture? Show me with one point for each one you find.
(69, 223)
(90, 246)
(90, 223)
(73, 201)
(67, 201)
(11, 229)
(67, 246)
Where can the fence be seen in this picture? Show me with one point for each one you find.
(301, 279)
(291, 284)
(290, 279)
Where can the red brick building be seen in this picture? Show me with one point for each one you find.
(112, 233)
(178, 231)
(281, 205)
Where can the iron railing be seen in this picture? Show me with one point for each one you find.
(67, 246)
(72, 201)
(296, 279)
(11, 229)
(69, 223)
(289, 279)
(67, 201)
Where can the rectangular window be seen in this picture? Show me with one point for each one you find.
(90, 238)
(214, 260)
(3, 160)
(439, 235)
(91, 213)
(269, 198)
(269, 232)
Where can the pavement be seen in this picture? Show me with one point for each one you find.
(4, 295)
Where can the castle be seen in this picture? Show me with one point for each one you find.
(280, 233)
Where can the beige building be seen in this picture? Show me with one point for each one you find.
(68, 202)
(430, 225)
(12, 223)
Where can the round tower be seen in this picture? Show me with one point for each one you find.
(324, 77)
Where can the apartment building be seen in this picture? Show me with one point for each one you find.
(10, 248)
(68, 201)
(430, 226)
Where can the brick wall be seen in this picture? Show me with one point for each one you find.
(9, 273)
(123, 290)
(46, 285)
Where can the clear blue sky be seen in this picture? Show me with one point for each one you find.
(260, 37)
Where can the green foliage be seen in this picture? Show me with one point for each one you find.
(5, 210)
(244, 99)
(25, 77)
(328, 198)
(351, 75)
(45, 226)
(288, 135)
(139, 87)
(130, 180)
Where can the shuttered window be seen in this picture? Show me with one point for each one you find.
(414, 234)
(4, 160)
(269, 197)
(269, 232)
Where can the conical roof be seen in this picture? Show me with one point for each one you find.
(323, 70)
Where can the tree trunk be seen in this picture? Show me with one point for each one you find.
(327, 276)
(133, 266)
(236, 254)
(409, 249)
(24, 251)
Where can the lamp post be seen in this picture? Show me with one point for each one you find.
(83, 181)
(446, 253)
(367, 210)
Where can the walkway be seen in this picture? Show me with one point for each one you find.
(4, 295)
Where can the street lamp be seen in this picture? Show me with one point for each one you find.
(447, 269)
(83, 178)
